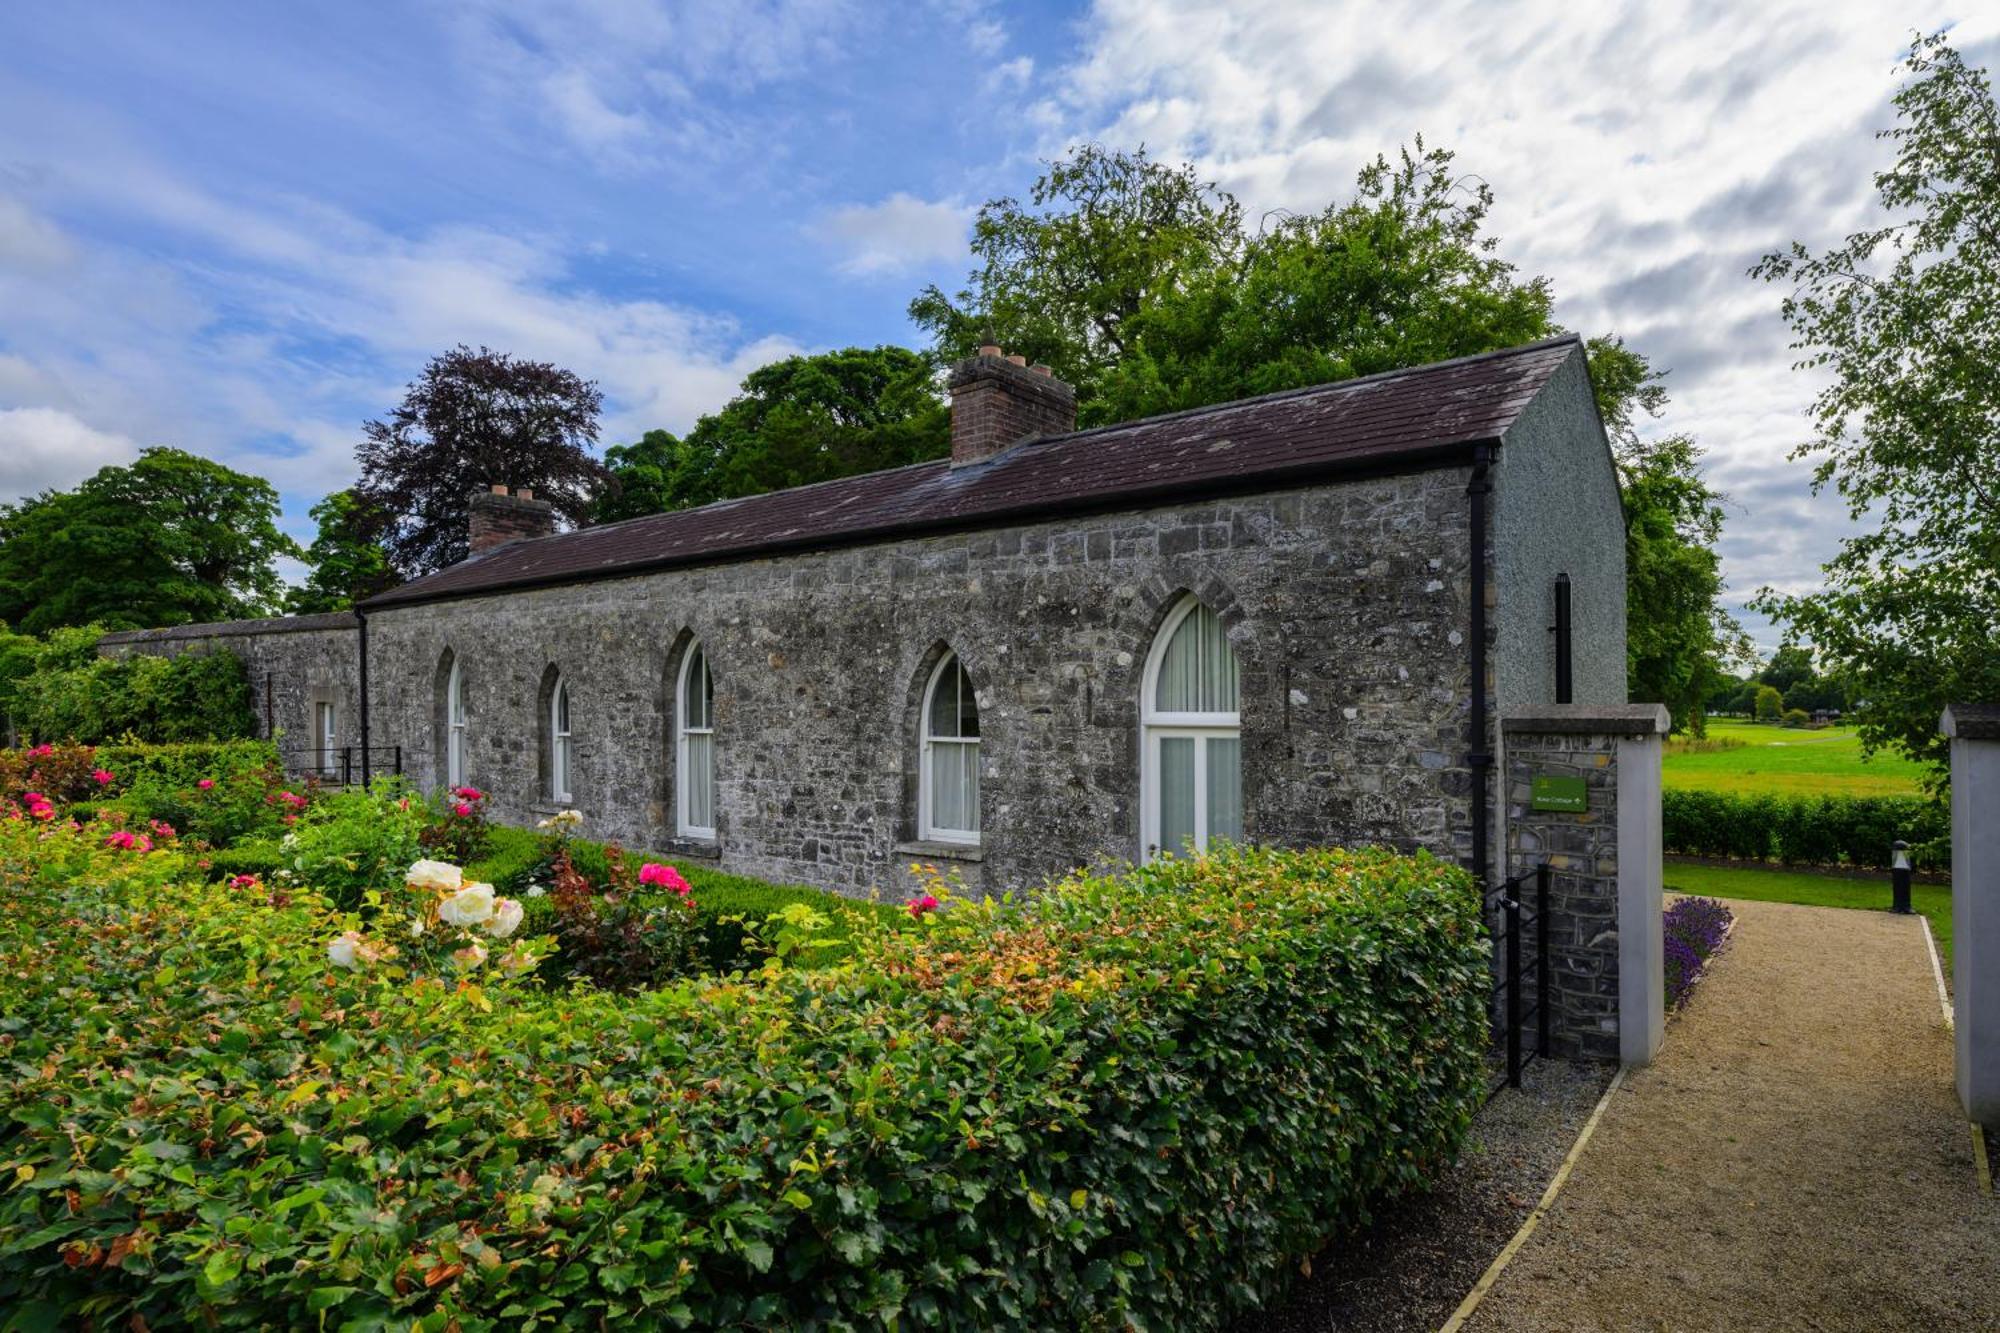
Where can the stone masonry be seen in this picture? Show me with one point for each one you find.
(293, 662)
(1346, 605)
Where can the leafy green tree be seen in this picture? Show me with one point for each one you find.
(800, 420)
(348, 563)
(1906, 318)
(169, 539)
(1770, 704)
(474, 418)
(1070, 278)
(1679, 640)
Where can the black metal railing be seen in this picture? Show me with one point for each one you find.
(1508, 992)
(342, 765)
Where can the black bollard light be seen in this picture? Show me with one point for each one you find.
(1899, 878)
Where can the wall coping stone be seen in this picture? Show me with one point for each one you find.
(1592, 720)
(217, 629)
(942, 851)
(1971, 722)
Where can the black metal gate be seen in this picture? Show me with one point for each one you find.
(1509, 1000)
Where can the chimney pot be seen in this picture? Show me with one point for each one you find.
(989, 349)
(1015, 358)
(997, 402)
(1041, 369)
(524, 492)
(497, 488)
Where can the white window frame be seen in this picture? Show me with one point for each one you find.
(326, 719)
(682, 786)
(454, 727)
(561, 755)
(1157, 725)
(927, 828)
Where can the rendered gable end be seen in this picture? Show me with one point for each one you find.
(1557, 511)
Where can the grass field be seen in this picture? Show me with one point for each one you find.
(1822, 762)
(1790, 886)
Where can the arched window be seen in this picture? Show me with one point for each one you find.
(694, 723)
(948, 784)
(454, 728)
(1191, 759)
(560, 754)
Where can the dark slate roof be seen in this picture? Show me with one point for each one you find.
(1425, 416)
(218, 629)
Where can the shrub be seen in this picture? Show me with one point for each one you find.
(1769, 705)
(455, 827)
(1797, 717)
(219, 793)
(189, 697)
(1806, 830)
(63, 773)
(349, 842)
(1134, 1101)
(1694, 929)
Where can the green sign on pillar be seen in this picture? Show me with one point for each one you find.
(1565, 795)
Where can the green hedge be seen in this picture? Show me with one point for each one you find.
(190, 697)
(1807, 830)
(1131, 1102)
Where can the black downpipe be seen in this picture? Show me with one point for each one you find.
(1479, 759)
(362, 616)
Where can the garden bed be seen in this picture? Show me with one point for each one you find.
(1132, 1100)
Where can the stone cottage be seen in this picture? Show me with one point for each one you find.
(1297, 618)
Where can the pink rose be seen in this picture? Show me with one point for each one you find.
(102, 775)
(34, 798)
(664, 876)
(468, 793)
(461, 809)
(919, 906)
(243, 882)
(204, 784)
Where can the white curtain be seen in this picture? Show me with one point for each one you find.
(1198, 668)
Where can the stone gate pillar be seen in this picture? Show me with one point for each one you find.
(1975, 904)
(1583, 793)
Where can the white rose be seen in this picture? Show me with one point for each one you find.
(470, 906)
(416, 926)
(345, 951)
(514, 962)
(472, 955)
(536, 890)
(506, 919)
(440, 875)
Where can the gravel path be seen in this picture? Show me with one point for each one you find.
(1409, 1270)
(1795, 1159)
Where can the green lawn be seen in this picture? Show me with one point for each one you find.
(1791, 886)
(1825, 761)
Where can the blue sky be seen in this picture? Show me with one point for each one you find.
(241, 228)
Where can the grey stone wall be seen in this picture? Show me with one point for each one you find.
(293, 662)
(1347, 606)
(1582, 852)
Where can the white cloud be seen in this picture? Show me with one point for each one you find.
(30, 241)
(41, 447)
(1643, 156)
(1012, 74)
(900, 233)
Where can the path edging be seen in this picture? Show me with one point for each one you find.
(1534, 1219)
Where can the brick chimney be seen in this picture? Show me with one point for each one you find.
(997, 401)
(495, 518)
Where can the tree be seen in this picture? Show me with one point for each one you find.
(474, 418)
(346, 556)
(1679, 641)
(1067, 279)
(1906, 317)
(169, 539)
(800, 420)
(1770, 704)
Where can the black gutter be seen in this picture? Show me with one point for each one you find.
(362, 616)
(1480, 757)
(1454, 454)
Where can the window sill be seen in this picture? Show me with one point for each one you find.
(942, 851)
(698, 849)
